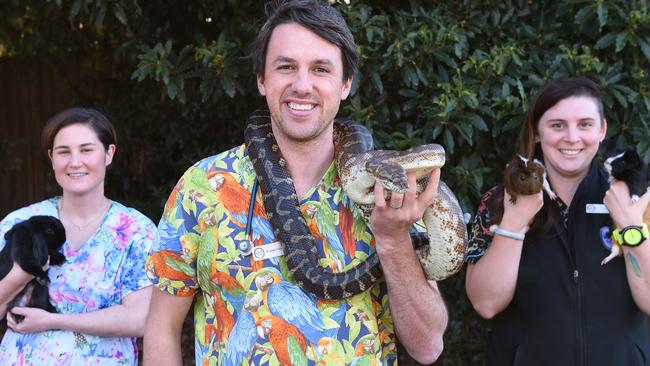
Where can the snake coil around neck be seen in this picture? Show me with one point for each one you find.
(283, 210)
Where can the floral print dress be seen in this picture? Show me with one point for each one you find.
(97, 275)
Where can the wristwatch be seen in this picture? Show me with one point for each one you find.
(632, 235)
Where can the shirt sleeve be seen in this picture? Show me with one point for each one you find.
(134, 275)
(10, 220)
(171, 264)
(480, 236)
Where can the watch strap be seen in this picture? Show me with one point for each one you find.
(617, 236)
(645, 234)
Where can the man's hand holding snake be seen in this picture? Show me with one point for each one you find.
(391, 220)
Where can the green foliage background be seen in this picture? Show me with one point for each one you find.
(459, 73)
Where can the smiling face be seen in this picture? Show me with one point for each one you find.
(303, 83)
(79, 160)
(569, 134)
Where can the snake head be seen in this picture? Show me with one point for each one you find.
(391, 176)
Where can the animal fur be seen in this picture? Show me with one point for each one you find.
(631, 169)
(521, 178)
(28, 244)
(628, 167)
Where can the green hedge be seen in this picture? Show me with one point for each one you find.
(456, 73)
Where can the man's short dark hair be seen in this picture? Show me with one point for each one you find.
(315, 15)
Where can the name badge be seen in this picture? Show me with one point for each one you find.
(267, 251)
(596, 208)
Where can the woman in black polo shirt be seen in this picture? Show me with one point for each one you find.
(550, 300)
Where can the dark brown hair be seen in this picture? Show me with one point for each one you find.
(315, 15)
(86, 116)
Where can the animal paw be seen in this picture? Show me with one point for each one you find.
(616, 251)
(611, 243)
(548, 190)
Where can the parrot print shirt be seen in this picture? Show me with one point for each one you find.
(97, 275)
(248, 311)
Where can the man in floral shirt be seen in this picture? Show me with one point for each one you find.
(248, 309)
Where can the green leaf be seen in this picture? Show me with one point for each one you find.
(369, 31)
(602, 14)
(449, 141)
(437, 131)
(99, 20)
(605, 41)
(172, 91)
(645, 47)
(451, 105)
(74, 10)
(470, 101)
(228, 87)
(478, 122)
(619, 97)
(376, 82)
(465, 131)
(621, 39)
(582, 16)
(409, 93)
(119, 13)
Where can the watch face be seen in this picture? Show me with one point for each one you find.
(632, 236)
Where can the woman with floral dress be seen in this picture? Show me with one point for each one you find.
(101, 293)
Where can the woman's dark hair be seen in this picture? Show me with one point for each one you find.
(87, 116)
(315, 15)
(548, 96)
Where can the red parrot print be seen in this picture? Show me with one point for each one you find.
(280, 333)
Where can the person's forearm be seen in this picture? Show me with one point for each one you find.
(637, 266)
(626, 213)
(124, 320)
(419, 312)
(165, 352)
(490, 283)
(115, 321)
(162, 338)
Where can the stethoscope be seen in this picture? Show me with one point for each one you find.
(246, 246)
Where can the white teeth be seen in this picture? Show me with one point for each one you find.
(301, 107)
(77, 174)
(570, 152)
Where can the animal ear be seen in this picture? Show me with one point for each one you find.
(22, 249)
(9, 234)
(40, 247)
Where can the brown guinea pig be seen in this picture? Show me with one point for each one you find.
(521, 178)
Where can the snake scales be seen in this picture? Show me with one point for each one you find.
(445, 226)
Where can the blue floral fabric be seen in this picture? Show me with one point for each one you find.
(97, 275)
